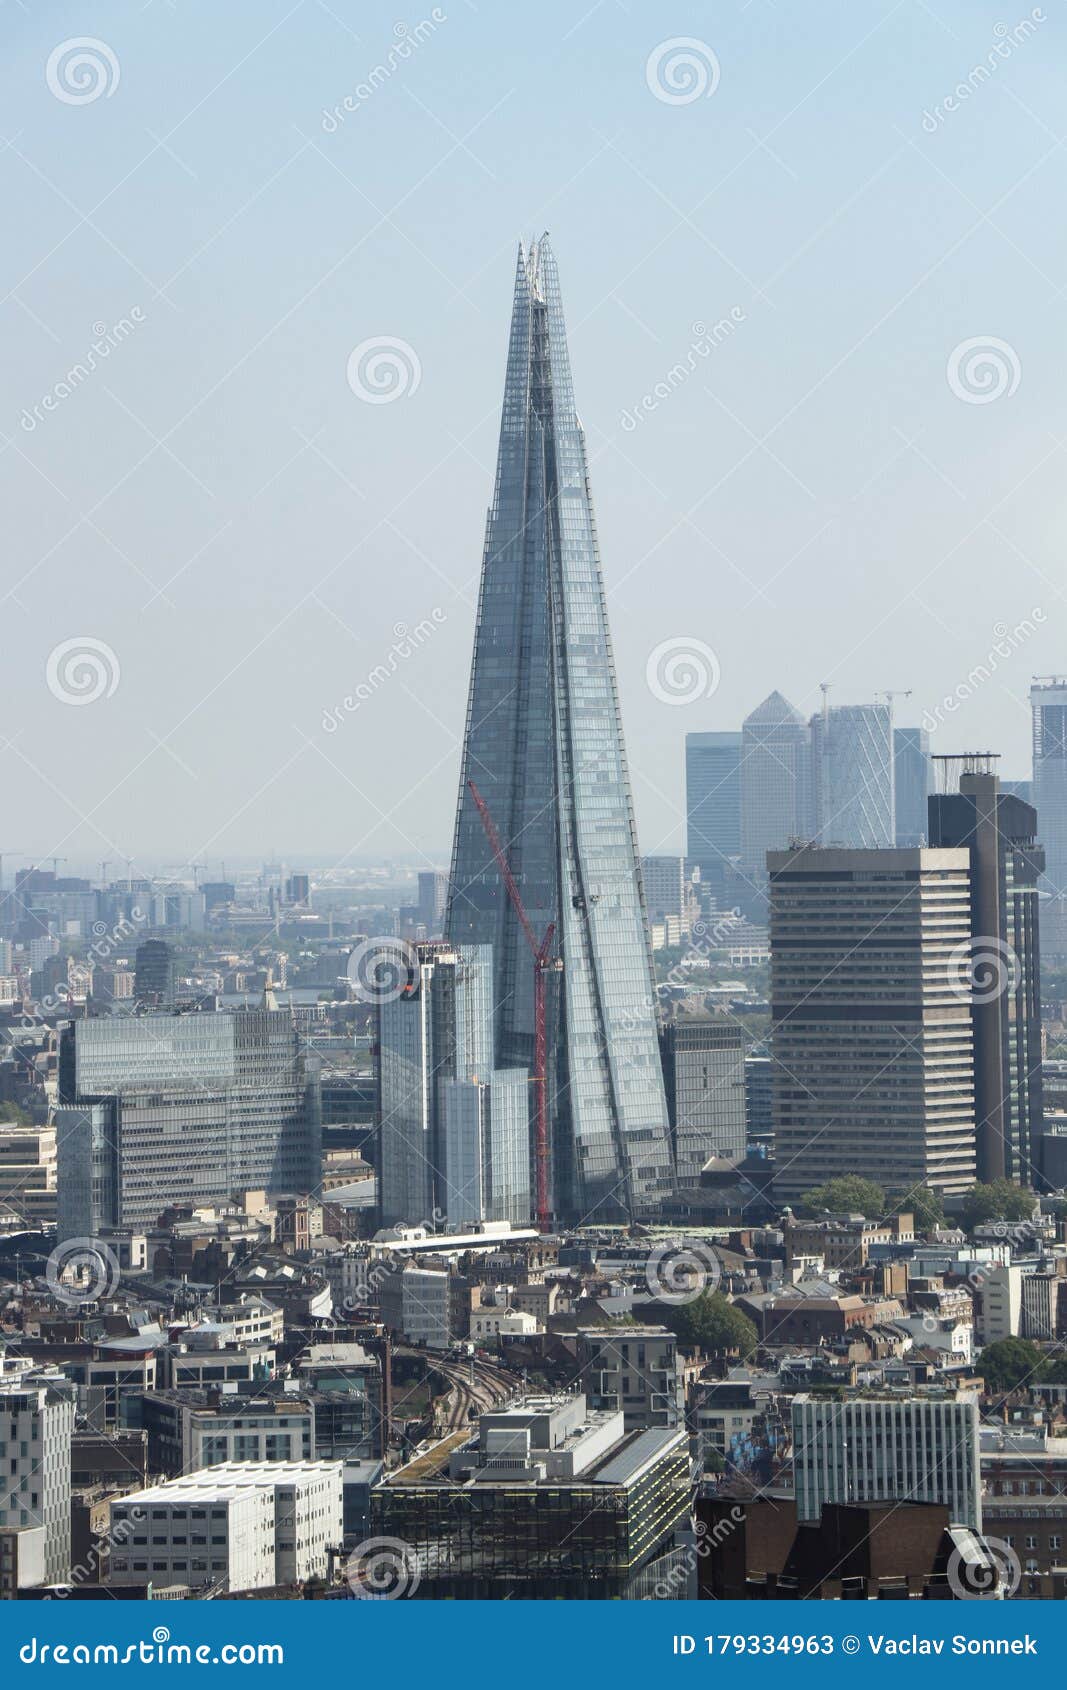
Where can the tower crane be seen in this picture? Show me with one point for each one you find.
(542, 963)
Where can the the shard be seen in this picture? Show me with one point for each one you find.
(543, 747)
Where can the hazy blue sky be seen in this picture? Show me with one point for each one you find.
(821, 499)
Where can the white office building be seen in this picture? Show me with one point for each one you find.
(244, 1525)
(883, 1448)
(36, 1425)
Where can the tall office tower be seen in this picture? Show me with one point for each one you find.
(713, 801)
(775, 781)
(543, 746)
(37, 1416)
(871, 1037)
(433, 901)
(999, 832)
(666, 887)
(852, 774)
(182, 1109)
(153, 984)
(704, 1077)
(453, 1132)
(1048, 701)
(883, 1449)
(912, 782)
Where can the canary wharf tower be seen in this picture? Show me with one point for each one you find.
(545, 797)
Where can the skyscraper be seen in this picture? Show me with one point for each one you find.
(1048, 701)
(852, 761)
(871, 1041)
(454, 1135)
(713, 800)
(911, 774)
(775, 781)
(1006, 862)
(543, 747)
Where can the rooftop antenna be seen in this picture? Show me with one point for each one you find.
(824, 688)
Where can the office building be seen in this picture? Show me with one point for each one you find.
(37, 1424)
(1000, 835)
(182, 1109)
(543, 747)
(666, 887)
(417, 1302)
(871, 1035)
(776, 795)
(243, 1525)
(433, 901)
(28, 1173)
(153, 982)
(759, 1104)
(454, 1131)
(1048, 703)
(713, 802)
(885, 1448)
(548, 1500)
(853, 776)
(912, 778)
(189, 1429)
(704, 1078)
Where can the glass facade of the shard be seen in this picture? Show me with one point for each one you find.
(543, 745)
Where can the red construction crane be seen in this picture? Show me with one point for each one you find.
(542, 963)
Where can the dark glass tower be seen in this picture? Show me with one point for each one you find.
(543, 744)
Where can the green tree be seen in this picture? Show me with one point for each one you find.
(11, 1114)
(924, 1204)
(710, 1322)
(1010, 1362)
(1000, 1200)
(850, 1194)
